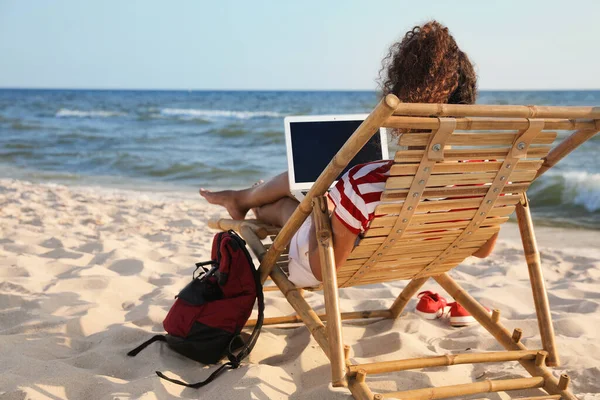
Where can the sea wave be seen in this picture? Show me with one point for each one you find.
(66, 113)
(231, 132)
(22, 126)
(272, 137)
(569, 188)
(583, 189)
(179, 119)
(202, 113)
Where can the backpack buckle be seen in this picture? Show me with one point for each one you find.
(207, 272)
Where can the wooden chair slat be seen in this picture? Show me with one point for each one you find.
(379, 222)
(475, 139)
(461, 191)
(366, 251)
(416, 243)
(471, 178)
(446, 204)
(459, 167)
(407, 263)
(391, 275)
(435, 227)
(415, 236)
(393, 266)
(470, 154)
(420, 236)
(487, 123)
(496, 111)
(401, 253)
(412, 266)
(422, 256)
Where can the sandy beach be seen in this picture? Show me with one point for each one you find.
(88, 274)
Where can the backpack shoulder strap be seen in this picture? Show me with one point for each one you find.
(134, 352)
(197, 384)
(237, 359)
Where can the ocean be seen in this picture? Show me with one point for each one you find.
(164, 141)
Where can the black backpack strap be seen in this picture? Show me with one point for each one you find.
(134, 352)
(237, 359)
(198, 384)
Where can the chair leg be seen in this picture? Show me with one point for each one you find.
(504, 337)
(540, 296)
(359, 388)
(310, 318)
(291, 293)
(407, 293)
(330, 291)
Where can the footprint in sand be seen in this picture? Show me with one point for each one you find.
(100, 258)
(61, 253)
(181, 223)
(34, 222)
(296, 342)
(91, 247)
(128, 266)
(371, 346)
(13, 287)
(14, 271)
(13, 318)
(158, 237)
(52, 243)
(8, 301)
(161, 280)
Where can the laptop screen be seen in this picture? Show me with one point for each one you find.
(315, 143)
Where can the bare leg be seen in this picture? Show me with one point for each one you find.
(276, 213)
(238, 202)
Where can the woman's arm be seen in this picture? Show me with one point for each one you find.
(343, 243)
(487, 248)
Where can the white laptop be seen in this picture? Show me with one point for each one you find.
(313, 140)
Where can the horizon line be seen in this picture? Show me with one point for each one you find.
(273, 90)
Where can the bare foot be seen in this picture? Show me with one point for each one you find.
(227, 199)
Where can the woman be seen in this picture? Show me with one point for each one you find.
(426, 66)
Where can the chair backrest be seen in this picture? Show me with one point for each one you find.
(456, 182)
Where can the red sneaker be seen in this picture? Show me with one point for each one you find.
(459, 316)
(431, 305)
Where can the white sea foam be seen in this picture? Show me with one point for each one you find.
(200, 113)
(582, 188)
(65, 113)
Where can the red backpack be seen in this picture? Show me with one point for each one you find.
(205, 322)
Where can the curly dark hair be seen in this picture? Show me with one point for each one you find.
(427, 66)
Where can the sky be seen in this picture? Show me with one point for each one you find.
(293, 45)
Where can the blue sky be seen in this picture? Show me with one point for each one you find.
(286, 44)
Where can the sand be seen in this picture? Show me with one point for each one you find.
(87, 274)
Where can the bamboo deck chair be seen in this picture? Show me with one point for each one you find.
(438, 211)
